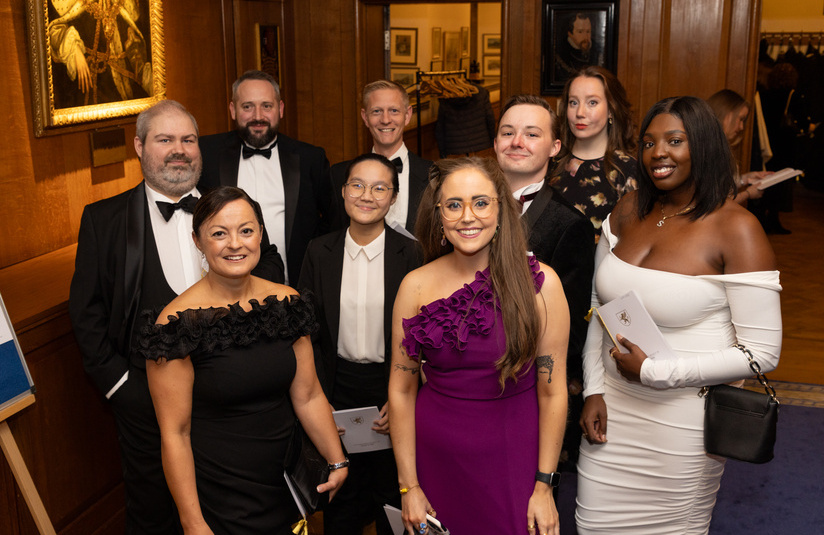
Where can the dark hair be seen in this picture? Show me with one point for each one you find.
(533, 100)
(510, 275)
(144, 120)
(255, 75)
(214, 201)
(725, 102)
(711, 161)
(577, 16)
(620, 134)
(374, 157)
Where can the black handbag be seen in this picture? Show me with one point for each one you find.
(305, 468)
(741, 424)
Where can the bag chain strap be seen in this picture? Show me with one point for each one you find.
(756, 368)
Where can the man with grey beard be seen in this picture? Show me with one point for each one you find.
(135, 252)
(289, 178)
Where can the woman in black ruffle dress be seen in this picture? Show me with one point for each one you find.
(234, 367)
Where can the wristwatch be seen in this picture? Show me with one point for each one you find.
(342, 464)
(552, 479)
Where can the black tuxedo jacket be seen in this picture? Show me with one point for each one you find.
(108, 276)
(321, 275)
(418, 179)
(306, 186)
(563, 238)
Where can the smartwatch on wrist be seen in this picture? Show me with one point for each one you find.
(552, 479)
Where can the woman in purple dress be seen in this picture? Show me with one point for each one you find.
(487, 328)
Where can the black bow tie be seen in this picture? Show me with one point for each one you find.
(248, 151)
(187, 204)
(527, 197)
(398, 163)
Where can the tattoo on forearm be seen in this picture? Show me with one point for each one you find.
(545, 364)
(413, 371)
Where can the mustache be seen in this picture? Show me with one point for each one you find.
(258, 123)
(177, 158)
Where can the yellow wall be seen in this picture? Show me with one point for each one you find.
(792, 16)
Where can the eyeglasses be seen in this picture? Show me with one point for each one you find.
(481, 207)
(357, 189)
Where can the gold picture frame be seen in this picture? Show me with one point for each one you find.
(85, 69)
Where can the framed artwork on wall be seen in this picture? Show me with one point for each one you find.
(451, 50)
(436, 43)
(491, 43)
(403, 46)
(84, 69)
(268, 50)
(492, 65)
(465, 42)
(576, 35)
(405, 76)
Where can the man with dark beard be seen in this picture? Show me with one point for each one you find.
(577, 50)
(289, 179)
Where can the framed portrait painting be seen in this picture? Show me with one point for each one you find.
(403, 46)
(94, 61)
(576, 35)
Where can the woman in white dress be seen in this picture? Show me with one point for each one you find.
(706, 273)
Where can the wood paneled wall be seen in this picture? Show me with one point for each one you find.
(665, 48)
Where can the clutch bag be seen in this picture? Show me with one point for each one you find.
(305, 468)
(741, 424)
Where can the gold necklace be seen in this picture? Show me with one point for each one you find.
(665, 217)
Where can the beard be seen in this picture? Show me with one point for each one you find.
(172, 181)
(257, 141)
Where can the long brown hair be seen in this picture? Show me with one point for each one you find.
(620, 134)
(510, 274)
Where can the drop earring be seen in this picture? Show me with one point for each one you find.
(204, 265)
(610, 120)
(496, 233)
(443, 237)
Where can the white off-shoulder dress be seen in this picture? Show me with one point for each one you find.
(652, 476)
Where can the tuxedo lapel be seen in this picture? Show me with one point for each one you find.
(290, 171)
(330, 280)
(418, 179)
(536, 208)
(230, 161)
(135, 243)
(394, 270)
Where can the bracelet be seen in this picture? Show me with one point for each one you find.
(404, 490)
(338, 466)
(552, 479)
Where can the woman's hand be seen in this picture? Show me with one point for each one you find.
(414, 507)
(336, 479)
(541, 513)
(629, 364)
(594, 419)
(381, 425)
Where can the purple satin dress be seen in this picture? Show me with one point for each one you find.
(476, 447)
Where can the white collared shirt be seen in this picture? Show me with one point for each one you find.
(262, 179)
(399, 211)
(360, 329)
(178, 254)
(526, 190)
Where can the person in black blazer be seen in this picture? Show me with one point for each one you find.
(298, 189)
(386, 111)
(354, 369)
(559, 234)
(120, 271)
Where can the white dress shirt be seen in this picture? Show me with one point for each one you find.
(398, 212)
(526, 190)
(360, 330)
(262, 179)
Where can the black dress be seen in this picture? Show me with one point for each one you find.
(242, 415)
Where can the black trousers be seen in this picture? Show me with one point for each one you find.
(373, 476)
(150, 509)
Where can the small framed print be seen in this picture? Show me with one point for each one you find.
(403, 46)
